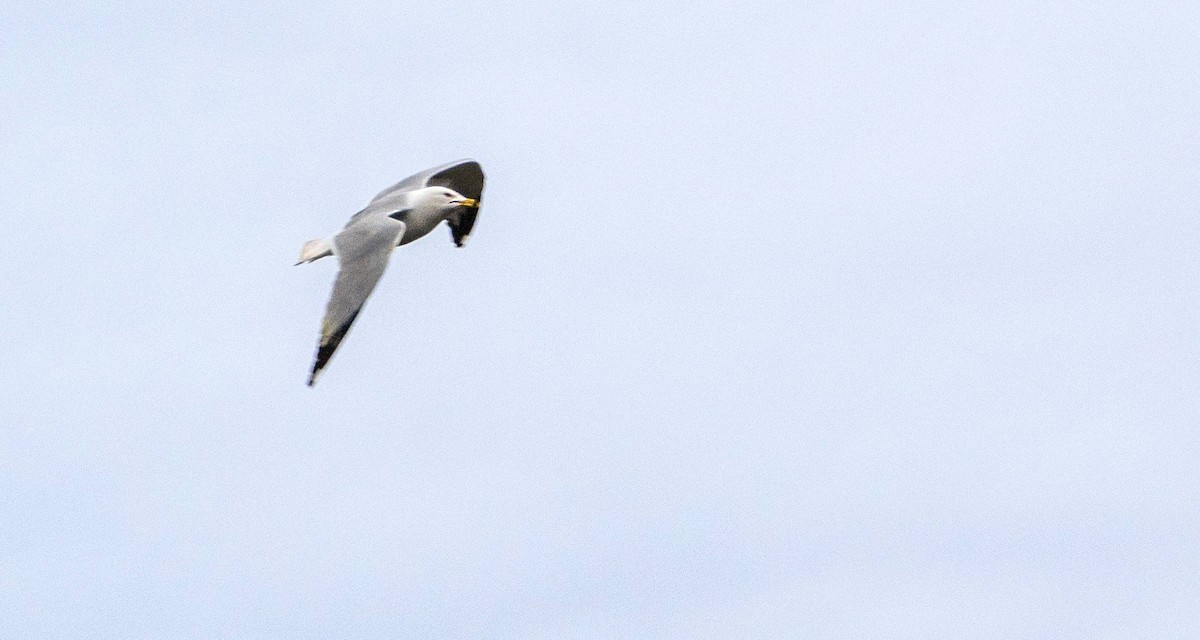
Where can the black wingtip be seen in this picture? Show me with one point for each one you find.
(460, 228)
(328, 345)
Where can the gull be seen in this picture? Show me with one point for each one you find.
(396, 216)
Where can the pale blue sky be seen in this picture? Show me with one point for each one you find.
(781, 320)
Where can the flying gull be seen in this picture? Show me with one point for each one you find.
(398, 215)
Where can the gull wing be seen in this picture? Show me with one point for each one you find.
(464, 176)
(363, 250)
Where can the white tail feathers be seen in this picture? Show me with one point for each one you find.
(315, 250)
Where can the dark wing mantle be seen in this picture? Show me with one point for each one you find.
(464, 176)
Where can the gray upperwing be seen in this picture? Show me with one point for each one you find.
(363, 250)
(464, 176)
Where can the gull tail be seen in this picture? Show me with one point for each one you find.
(315, 250)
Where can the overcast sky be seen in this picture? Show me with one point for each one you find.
(781, 320)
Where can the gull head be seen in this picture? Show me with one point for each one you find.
(442, 198)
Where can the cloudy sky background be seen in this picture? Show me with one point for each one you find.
(781, 320)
